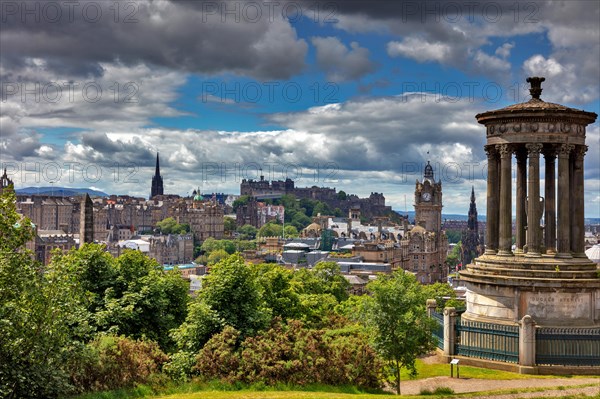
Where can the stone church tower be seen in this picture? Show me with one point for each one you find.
(157, 181)
(5, 182)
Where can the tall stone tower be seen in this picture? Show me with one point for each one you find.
(548, 276)
(5, 182)
(157, 181)
(470, 239)
(428, 202)
(86, 221)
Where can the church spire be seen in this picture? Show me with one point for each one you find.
(157, 181)
(157, 171)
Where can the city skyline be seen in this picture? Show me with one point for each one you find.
(351, 95)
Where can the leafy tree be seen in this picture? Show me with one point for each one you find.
(398, 319)
(278, 292)
(243, 245)
(211, 244)
(229, 224)
(321, 208)
(291, 231)
(453, 235)
(330, 277)
(300, 220)
(444, 295)
(247, 232)
(145, 302)
(342, 195)
(200, 324)
(453, 259)
(231, 296)
(216, 256)
(241, 201)
(170, 226)
(42, 314)
(271, 230)
(232, 291)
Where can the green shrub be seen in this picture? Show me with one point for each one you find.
(111, 362)
(291, 354)
(179, 367)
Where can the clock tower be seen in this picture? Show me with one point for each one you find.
(428, 202)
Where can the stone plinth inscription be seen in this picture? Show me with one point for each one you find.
(557, 305)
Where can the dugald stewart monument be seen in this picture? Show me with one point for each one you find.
(544, 279)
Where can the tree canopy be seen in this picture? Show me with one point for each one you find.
(397, 316)
(170, 226)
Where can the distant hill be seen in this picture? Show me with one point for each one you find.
(481, 218)
(60, 191)
(448, 216)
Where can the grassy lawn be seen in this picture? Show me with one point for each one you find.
(220, 391)
(443, 370)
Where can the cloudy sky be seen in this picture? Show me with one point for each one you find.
(356, 95)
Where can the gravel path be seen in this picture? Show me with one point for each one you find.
(476, 385)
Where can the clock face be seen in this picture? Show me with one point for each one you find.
(426, 197)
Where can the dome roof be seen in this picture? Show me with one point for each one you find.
(198, 197)
(535, 106)
(594, 253)
(313, 226)
(418, 229)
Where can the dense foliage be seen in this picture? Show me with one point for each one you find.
(170, 226)
(291, 354)
(397, 316)
(89, 321)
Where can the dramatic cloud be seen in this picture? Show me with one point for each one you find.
(420, 50)
(453, 34)
(198, 37)
(342, 63)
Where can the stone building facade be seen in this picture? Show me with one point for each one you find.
(374, 205)
(426, 245)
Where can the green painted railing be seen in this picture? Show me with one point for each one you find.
(567, 346)
(487, 341)
(438, 331)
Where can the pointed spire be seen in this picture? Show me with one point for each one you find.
(473, 194)
(157, 181)
(157, 171)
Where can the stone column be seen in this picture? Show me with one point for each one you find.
(431, 306)
(527, 341)
(533, 202)
(564, 225)
(505, 241)
(491, 226)
(521, 221)
(577, 214)
(550, 197)
(449, 331)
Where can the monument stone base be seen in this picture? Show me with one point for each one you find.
(554, 292)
